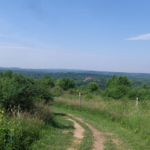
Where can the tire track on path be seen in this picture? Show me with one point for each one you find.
(99, 139)
(78, 133)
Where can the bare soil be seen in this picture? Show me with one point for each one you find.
(78, 131)
(78, 134)
(99, 139)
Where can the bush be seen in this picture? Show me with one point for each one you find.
(19, 132)
(132, 94)
(43, 112)
(92, 86)
(117, 87)
(74, 91)
(21, 91)
(65, 83)
(88, 96)
(117, 92)
(98, 92)
(56, 91)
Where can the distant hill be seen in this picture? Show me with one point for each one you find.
(130, 75)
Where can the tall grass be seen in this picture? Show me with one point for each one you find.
(123, 112)
(19, 130)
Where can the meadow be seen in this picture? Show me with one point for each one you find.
(122, 113)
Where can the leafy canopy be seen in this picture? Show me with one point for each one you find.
(65, 83)
(92, 86)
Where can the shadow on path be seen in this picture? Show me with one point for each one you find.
(58, 125)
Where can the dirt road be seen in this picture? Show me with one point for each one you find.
(99, 139)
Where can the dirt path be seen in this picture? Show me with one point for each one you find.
(78, 131)
(78, 134)
(99, 139)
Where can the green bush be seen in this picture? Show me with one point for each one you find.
(21, 91)
(65, 83)
(92, 86)
(19, 131)
(56, 91)
(74, 91)
(145, 86)
(132, 94)
(88, 96)
(98, 92)
(118, 87)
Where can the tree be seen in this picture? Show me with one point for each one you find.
(118, 81)
(21, 91)
(92, 86)
(65, 83)
(123, 81)
(117, 87)
(145, 86)
(8, 74)
(47, 80)
(1, 74)
(112, 81)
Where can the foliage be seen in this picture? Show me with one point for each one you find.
(88, 96)
(122, 113)
(118, 81)
(47, 80)
(145, 86)
(117, 87)
(56, 91)
(92, 86)
(19, 131)
(21, 92)
(65, 83)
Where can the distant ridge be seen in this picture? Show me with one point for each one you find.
(16, 69)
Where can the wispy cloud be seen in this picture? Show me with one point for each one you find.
(16, 47)
(140, 37)
(25, 41)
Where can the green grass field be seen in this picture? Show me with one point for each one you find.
(129, 124)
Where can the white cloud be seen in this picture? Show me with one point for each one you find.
(140, 37)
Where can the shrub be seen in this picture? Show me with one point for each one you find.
(56, 91)
(98, 92)
(19, 132)
(132, 94)
(65, 83)
(88, 96)
(74, 91)
(145, 86)
(43, 112)
(92, 86)
(21, 91)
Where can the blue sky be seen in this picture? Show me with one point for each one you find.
(102, 35)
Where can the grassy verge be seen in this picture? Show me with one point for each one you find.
(60, 136)
(87, 141)
(55, 138)
(111, 140)
(130, 123)
(39, 129)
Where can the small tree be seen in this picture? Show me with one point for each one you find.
(145, 86)
(92, 86)
(65, 83)
(8, 74)
(47, 80)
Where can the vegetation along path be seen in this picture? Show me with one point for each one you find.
(101, 138)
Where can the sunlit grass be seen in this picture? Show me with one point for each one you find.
(124, 113)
